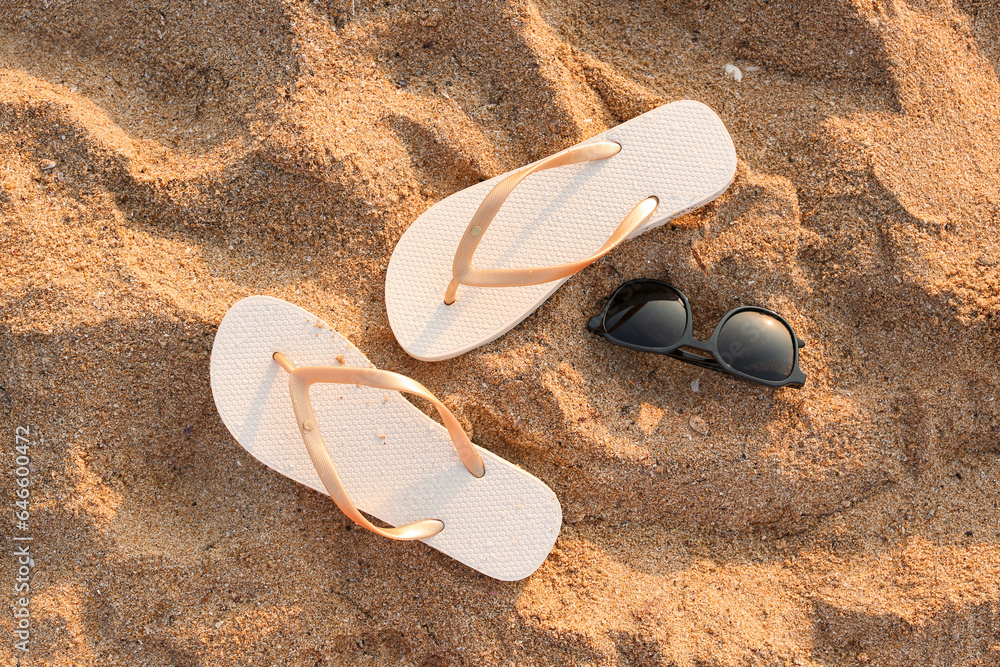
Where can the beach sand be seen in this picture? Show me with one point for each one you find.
(163, 160)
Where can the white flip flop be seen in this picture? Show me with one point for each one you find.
(382, 455)
(637, 176)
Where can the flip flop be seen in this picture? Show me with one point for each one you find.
(382, 455)
(638, 175)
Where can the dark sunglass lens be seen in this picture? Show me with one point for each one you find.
(646, 314)
(758, 345)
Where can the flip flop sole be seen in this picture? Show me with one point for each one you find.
(396, 463)
(680, 153)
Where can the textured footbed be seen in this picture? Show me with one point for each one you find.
(680, 153)
(396, 463)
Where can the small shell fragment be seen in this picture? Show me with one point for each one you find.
(735, 72)
(698, 425)
(47, 165)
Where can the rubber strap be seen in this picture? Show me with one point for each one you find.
(464, 274)
(299, 381)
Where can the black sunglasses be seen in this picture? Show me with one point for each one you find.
(752, 343)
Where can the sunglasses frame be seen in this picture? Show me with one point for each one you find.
(795, 379)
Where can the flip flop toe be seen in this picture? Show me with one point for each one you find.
(480, 261)
(306, 403)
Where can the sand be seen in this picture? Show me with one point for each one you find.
(163, 160)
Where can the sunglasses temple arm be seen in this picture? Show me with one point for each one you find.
(713, 365)
(695, 360)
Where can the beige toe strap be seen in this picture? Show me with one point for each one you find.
(464, 274)
(300, 379)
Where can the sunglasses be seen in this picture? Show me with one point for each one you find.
(753, 343)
